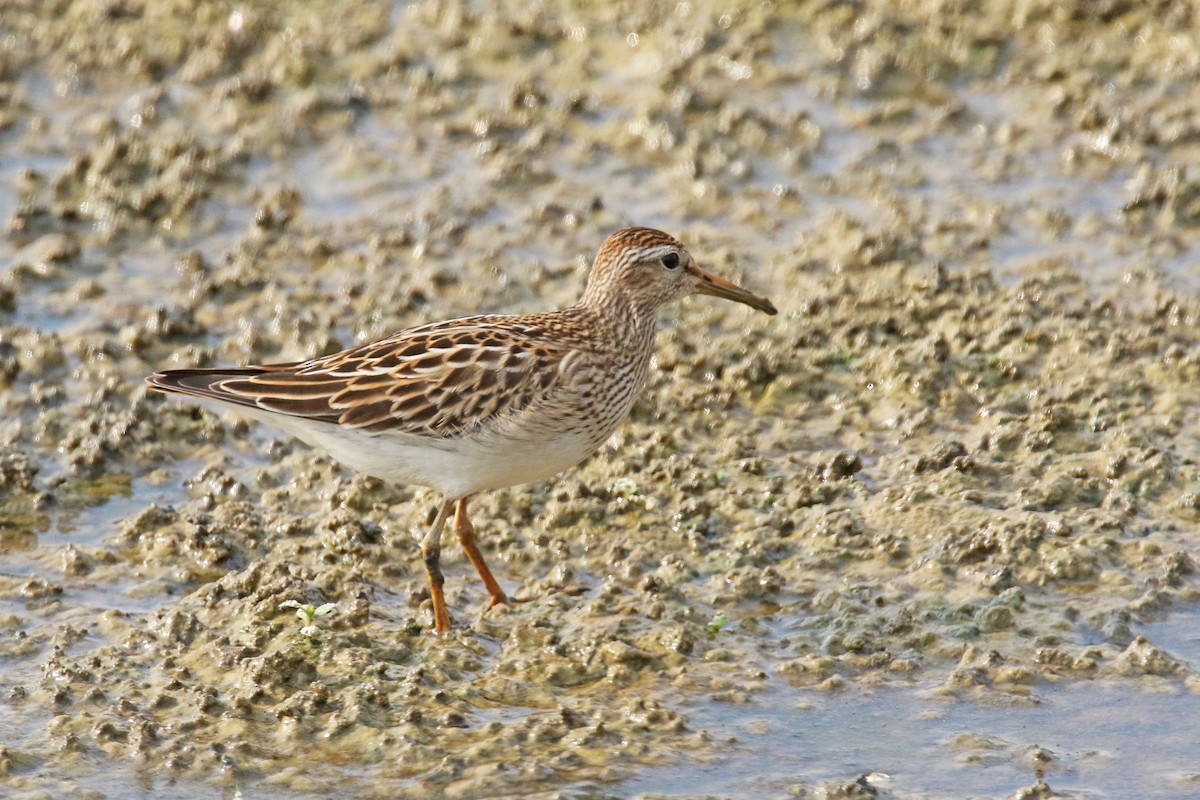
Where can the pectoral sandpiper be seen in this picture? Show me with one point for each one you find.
(478, 402)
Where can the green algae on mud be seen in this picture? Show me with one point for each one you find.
(962, 460)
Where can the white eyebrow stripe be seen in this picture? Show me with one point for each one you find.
(652, 253)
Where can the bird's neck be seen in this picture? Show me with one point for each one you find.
(622, 322)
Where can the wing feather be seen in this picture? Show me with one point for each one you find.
(436, 380)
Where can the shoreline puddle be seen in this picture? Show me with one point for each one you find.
(1097, 738)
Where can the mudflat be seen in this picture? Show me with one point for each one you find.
(837, 552)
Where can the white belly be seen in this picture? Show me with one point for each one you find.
(455, 467)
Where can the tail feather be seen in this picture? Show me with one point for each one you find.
(206, 383)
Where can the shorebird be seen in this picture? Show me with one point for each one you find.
(480, 402)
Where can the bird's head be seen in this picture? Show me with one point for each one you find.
(648, 268)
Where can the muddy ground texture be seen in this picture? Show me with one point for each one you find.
(964, 455)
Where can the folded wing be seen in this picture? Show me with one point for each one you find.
(436, 380)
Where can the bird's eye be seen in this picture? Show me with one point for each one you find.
(670, 260)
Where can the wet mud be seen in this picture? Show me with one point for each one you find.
(960, 465)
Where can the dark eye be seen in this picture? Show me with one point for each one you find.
(670, 260)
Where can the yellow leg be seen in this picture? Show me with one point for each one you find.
(466, 537)
(431, 551)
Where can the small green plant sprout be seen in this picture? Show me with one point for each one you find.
(627, 496)
(717, 623)
(308, 614)
(625, 487)
(716, 479)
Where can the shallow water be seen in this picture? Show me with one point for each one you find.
(1097, 739)
(1092, 738)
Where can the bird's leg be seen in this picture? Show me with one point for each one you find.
(431, 550)
(466, 537)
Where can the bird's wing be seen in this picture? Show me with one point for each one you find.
(435, 380)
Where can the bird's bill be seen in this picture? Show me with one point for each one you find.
(716, 286)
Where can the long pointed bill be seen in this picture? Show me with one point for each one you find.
(719, 287)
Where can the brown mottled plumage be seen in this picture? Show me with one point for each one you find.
(478, 402)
